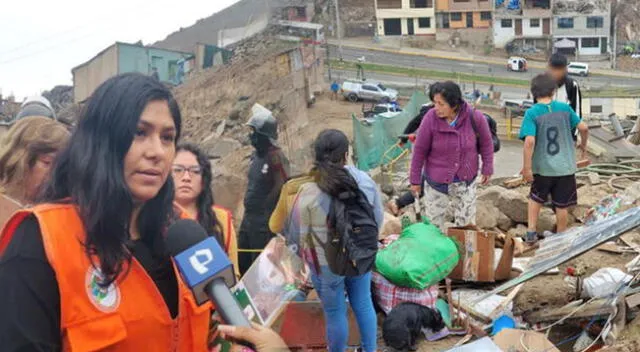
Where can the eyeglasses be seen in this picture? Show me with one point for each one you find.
(179, 170)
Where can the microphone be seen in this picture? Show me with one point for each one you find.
(205, 268)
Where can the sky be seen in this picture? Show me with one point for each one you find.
(42, 40)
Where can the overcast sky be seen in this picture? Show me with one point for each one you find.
(41, 40)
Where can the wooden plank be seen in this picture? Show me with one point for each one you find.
(600, 307)
(633, 300)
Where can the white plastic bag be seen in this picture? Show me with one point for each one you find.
(604, 282)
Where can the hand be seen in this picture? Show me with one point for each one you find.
(583, 152)
(264, 339)
(485, 179)
(527, 174)
(416, 190)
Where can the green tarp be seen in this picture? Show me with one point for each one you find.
(371, 141)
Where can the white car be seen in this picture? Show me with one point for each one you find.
(578, 68)
(368, 90)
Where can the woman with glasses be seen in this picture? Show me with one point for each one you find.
(192, 176)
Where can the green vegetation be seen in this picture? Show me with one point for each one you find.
(429, 74)
(612, 92)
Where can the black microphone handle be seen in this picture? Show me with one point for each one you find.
(225, 304)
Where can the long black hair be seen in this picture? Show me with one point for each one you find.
(204, 203)
(331, 148)
(89, 173)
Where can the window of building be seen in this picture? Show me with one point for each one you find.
(565, 22)
(461, 0)
(596, 109)
(389, 4)
(590, 42)
(505, 23)
(424, 22)
(534, 23)
(595, 22)
(421, 4)
(485, 16)
(456, 16)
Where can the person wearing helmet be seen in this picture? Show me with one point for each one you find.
(268, 171)
(36, 106)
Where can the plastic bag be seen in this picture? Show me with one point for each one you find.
(421, 257)
(603, 283)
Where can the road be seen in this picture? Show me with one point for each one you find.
(515, 93)
(413, 61)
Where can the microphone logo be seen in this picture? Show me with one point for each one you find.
(200, 259)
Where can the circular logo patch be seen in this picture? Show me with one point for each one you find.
(106, 299)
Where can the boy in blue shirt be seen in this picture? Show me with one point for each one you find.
(549, 155)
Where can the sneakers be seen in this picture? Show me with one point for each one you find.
(531, 237)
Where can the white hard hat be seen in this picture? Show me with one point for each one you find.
(36, 105)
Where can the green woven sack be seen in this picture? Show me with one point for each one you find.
(420, 258)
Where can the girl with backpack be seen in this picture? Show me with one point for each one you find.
(309, 229)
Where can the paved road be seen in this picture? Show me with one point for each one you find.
(380, 57)
(508, 92)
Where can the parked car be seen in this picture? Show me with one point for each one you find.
(578, 68)
(385, 110)
(518, 64)
(368, 90)
(517, 107)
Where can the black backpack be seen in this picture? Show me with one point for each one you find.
(352, 235)
(493, 127)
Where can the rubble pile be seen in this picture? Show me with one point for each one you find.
(627, 12)
(61, 98)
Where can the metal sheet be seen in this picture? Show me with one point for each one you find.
(561, 248)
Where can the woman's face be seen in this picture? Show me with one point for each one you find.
(443, 109)
(38, 174)
(187, 175)
(148, 162)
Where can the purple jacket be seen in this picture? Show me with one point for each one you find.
(445, 152)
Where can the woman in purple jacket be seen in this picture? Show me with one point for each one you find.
(445, 156)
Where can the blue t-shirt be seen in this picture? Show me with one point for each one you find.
(551, 125)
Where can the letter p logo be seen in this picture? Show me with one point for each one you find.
(200, 259)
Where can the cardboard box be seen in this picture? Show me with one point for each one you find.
(513, 340)
(477, 255)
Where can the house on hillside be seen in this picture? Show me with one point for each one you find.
(523, 24)
(586, 23)
(405, 17)
(471, 19)
(123, 57)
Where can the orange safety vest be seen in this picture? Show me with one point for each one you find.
(128, 316)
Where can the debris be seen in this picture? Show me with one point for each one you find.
(390, 226)
(604, 282)
(612, 247)
(515, 182)
(599, 307)
(594, 178)
(504, 222)
(388, 295)
(463, 299)
(546, 220)
(583, 342)
(513, 340)
(519, 231)
(491, 194)
(220, 128)
(563, 247)
(478, 258)
(485, 344)
(520, 265)
(503, 322)
(588, 196)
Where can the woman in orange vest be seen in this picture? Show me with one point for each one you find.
(86, 270)
(192, 176)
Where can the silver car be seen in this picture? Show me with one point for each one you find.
(367, 90)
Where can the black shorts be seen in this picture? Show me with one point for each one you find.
(563, 190)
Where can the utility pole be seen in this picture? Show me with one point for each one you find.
(615, 40)
(337, 5)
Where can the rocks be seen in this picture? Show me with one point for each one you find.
(518, 231)
(504, 222)
(220, 147)
(514, 205)
(588, 196)
(546, 220)
(487, 215)
(491, 194)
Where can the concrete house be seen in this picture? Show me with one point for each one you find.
(472, 19)
(587, 23)
(122, 58)
(405, 17)
(523, 23)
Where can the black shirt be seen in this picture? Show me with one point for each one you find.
(29, 296)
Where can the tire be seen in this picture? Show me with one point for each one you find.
(583, 74)
(352, 98)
